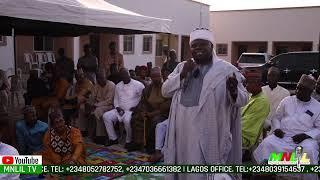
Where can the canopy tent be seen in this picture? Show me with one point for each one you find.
(73, 18)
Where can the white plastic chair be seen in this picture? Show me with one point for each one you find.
(28, 60)
(50, 57)
(41, 60)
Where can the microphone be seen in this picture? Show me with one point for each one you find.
(195, 74)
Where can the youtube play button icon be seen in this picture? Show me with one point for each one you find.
(7, 160)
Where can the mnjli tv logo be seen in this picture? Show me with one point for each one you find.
(7, 160)
(298, 157)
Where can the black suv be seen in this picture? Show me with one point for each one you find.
(292, 65)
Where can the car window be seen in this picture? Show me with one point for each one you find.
(310, 61)
(297, 61)
(286, 61)
(252, 59)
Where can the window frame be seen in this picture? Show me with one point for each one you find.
(151, 44)
(44, 41)
(124, 43)
(224, 45)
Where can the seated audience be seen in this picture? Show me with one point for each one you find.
(16, 89)
(30, 132)
(65, 64)
(48, 76)
(61, 85)
(143, 76)
(37, 91)
(6, 149)
(88, 63)
(113, 57)
(316, 92)
(149, 66)
(152, 109)
(170, 63)
(62, 144)
(83, 90)
(255, 112)
(132, 74)
(114, 74)
(101, 101)
(137, 71)
(70, 104)
(161, 131)
(4, 91)
(274, 93)
(127, 96)
(296, 123)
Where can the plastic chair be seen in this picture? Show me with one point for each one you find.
(41, 60)
(50, 57)
(28, 59)
(34, 62)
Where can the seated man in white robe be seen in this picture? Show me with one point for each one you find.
(127, 96)
(274, 93)
(296, 123)
(161, 130)
(316, 92)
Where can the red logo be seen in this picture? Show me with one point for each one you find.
(7, 160)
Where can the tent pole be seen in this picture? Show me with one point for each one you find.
(14, 51)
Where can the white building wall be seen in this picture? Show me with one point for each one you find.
(138, 58)
(291, 24)
(6, 56)
(185, 16)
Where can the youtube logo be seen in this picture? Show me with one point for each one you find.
(7, 160)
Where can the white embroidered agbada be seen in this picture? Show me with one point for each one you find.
(275, 96)
(293, 117)
(209, 133)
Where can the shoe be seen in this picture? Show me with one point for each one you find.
(101, 140)
(156, 156)
(112, 142)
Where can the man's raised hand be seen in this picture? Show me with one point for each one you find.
(187, 67)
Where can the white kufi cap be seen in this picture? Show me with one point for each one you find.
(201, 33)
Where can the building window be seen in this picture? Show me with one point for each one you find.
(262, 49)
(3, 40)
(222, 49)
(306, 48)
(281, 49)
(159, 47)
(42, 43)
(128, 44)
(147, 44)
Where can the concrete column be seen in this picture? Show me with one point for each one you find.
(76, 50)
(315, 46)
(269, 51)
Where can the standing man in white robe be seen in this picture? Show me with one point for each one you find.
(297, 122)
(274, 93)
(204, 121)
